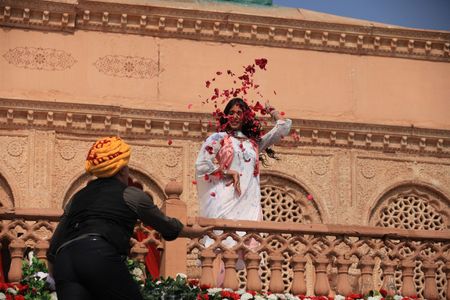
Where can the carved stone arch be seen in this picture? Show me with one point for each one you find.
(149, 185)
(6, 194)
(414, 206)
(284, 199)
(411, 205)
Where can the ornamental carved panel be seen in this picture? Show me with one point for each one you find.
(47, 59)
(128, 66)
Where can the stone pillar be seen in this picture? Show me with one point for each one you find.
(321, 287)
(408, 289)
(207, 277)
(276, 276)
(388, 267)
(430, 290)
(41, 251)
(343, 281)
(298, 268)
(16, 248)
(231, 281)
(253, 279)
(174, 258)
(366, 264)
(447, 272)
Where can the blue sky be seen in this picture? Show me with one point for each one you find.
(424, 14)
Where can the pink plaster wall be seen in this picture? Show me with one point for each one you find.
(309, 84)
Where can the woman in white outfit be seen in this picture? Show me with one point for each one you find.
(227, 167)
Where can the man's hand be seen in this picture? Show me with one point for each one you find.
(194, 231)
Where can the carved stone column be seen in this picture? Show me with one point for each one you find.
(321, 287)
(408, 288)
(388, 267)
(231, 280)
(207, 277)
(16, 248)
(276, 277)
(174, 258)
(138, 251)
(343, 281)
(298, 268)
(430, 290)
(41, 251)
(253, 279)
(447, 271)
(367, 264)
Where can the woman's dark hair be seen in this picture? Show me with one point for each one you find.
(251, 126)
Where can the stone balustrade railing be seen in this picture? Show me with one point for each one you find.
(281, 257)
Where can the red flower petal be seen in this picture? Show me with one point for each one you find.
(208, 83)
(219, 73)
(262, 62)
(206, 177)
(213, 194)
(169, 142)
(194, 181)
(310, 197)
(275, 92)
(282, 113)
(189, 106)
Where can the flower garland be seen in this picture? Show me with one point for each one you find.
(38, 285)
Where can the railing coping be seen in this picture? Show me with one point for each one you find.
(324, 229)
(262, 226)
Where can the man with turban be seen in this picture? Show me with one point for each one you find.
(90, 244)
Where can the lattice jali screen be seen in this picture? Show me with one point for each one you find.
(285, 201)
(414, 208)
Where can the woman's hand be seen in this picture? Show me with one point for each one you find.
(273, 112)
(235, 176)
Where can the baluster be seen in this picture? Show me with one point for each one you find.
(388, 276)
(430, 290)
(298, 282)
(41, 251)
(408, 288)
(16, 248)
(253, 280)
(343, 278)
(321, 287)
(231, 281)
(207, 277)
(367, 264)
(276, 277)
(447, 271)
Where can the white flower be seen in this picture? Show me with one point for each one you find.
(53, 296)
(181, 275)
(213, 291)
(258, 297)
(339, 297)
(241, 292)
(137, 272)
(11, 291)
(41, 275)
(375, 298)
(2, 296)
(398, 297)
(158, 282)
(273, 297)
(30, 257)
(246, 296)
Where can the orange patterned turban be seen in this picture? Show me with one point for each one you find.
(107, 156)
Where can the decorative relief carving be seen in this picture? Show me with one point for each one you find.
(172, 159)
(128, 66)
(320, 166)
(367, 170)
(39, 58)
(15, 148)
(67, 152)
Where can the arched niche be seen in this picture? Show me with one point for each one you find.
(6, 194)
(149, 185)
(284, 199)
(411, 206)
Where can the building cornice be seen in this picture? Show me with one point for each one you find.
(199, 23)
(100, 120)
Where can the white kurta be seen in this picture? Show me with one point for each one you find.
(217, 196)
